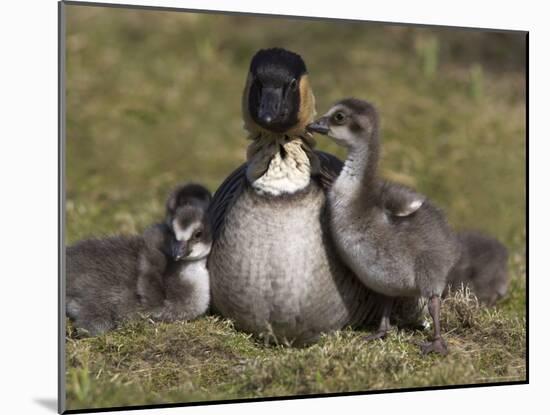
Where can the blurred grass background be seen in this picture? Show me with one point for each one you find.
(153, 99)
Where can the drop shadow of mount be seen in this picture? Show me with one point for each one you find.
(48, 403)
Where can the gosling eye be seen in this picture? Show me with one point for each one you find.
(339, 117)
(293, 84)
(197, 235)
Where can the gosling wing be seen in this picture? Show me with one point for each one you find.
(401, 200)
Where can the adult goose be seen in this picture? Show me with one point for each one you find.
(273, 266)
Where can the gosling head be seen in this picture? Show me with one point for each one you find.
(350, 123)
(277, 97)
(186, 217)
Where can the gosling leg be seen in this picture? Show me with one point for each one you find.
(385, 325)
(437, 345)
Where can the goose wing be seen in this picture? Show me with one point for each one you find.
(328, 169)
(325, 172)
(401, 200)
(225, 196)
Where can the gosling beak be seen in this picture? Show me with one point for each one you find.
(179, 250)
(270, 105)
(320, 126)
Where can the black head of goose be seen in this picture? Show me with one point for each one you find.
(273, 268)
(394, 239)
(277, 105)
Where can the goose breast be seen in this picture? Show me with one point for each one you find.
(274, 270)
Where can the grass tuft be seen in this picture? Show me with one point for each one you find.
(461, 310)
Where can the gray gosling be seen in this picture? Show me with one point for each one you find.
(482, 267)
(395, 240)
(161, 273)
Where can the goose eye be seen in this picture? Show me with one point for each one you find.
(339, 117)
(293, 84)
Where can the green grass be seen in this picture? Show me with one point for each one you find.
(153, 99)
(207, 359)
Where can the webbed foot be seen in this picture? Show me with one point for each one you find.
(380, 334)
(436, 346)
